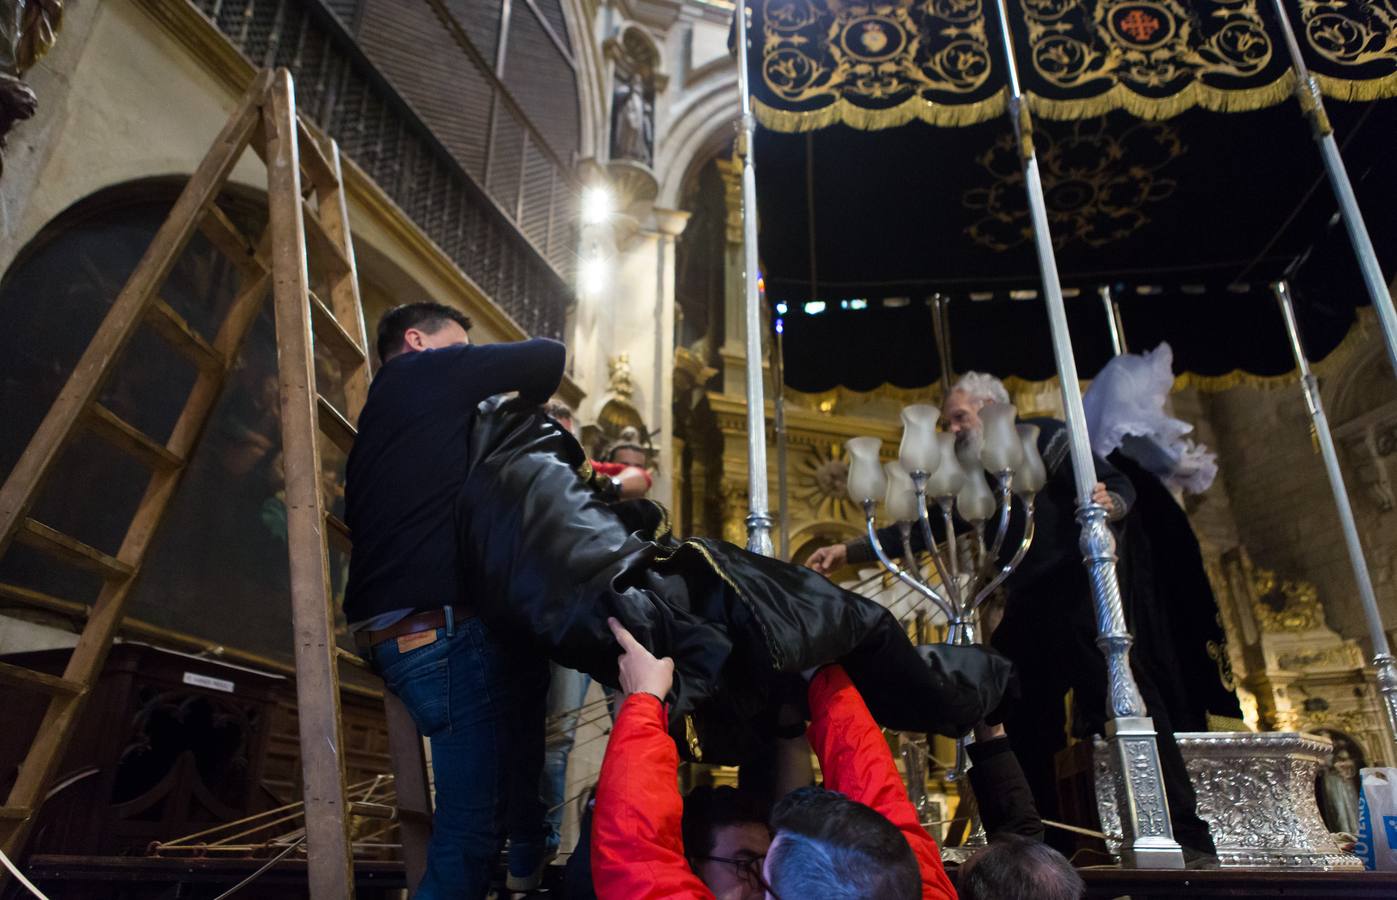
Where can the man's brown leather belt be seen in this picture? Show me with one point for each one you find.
(427, 620)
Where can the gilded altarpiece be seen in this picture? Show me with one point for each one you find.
(1294, 672)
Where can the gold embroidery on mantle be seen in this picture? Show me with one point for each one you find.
(1151, 58)
(1097, 184)
(861, 54)
(1352, 36)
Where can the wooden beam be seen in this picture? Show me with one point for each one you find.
(345, 300)
(410, 785)
(339, 342)
(20, 677)
(314, 163)
(330, 860)
(228, 239)
(338, 532)
(181, 335)
(130, 439)
(334, 425)
(36, 534)
(322, 246)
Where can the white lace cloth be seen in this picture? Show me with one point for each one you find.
(1125, 410)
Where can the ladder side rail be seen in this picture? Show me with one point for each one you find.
(330, 861)
(404, 741)
(345, 301)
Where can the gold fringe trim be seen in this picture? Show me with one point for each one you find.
(1119, 97)
(1349, 349)
(1357, 90)
(842, 112)
(1226, 723)
(1122, 97)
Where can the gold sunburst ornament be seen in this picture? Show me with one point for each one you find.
(821, 481)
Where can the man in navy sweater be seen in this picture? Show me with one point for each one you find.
(406, 601)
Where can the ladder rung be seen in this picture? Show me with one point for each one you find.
(313, 160)
(350, 658)
(15, 813)
(373, 810)
(19, 676)
(339, 341)
(335, 426)
(320, 242)
(172, 327)
(228, 238)
(338, 532)
(16, 594)
(57, 544)
(128, 437)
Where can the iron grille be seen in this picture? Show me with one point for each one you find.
(520, 252)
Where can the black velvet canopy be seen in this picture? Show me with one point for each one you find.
(1176, 170)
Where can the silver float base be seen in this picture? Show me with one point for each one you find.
(1257, 794)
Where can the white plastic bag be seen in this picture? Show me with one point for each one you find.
(1377, 819)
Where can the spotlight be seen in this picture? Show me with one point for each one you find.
(596, 205)
(591, 275)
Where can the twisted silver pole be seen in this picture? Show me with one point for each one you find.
(1385, 668)
(759, 511)
(1149, 835)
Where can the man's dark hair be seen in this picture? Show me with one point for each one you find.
(1014, 867)
(557, 409)
(708, 808)
(425, 316)
(830, 847)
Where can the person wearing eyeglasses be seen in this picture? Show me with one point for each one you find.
(857, 837)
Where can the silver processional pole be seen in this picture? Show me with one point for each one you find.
(1383, 663)
(1312, 104)
(758, 510)
(1144, 810)
(1113, 320)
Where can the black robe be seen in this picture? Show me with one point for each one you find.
(1171, 607)
(547, 560)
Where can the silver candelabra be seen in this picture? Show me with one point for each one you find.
(943, 471)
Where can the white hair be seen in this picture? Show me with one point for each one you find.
(982, 387)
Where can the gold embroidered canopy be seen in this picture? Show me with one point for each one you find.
(873, 64)
(1175, 167)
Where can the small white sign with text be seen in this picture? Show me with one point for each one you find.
(204, 681)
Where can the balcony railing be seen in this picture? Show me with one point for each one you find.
(521, 254)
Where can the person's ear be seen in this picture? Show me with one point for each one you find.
(415, 339)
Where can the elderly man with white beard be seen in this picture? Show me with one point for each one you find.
(1049, 625)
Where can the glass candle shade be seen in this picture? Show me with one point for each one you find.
(920, 450)
(949, 476)
(867, 481)
(975, 502)
(1003, 450)
(901, 499)
(1031, 474)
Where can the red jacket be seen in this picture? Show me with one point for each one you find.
(637, 848)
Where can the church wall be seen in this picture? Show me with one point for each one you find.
(1283, 508)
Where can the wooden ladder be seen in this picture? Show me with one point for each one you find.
(298, 231)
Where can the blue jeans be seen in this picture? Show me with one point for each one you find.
(457, 690)
(566, 692)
